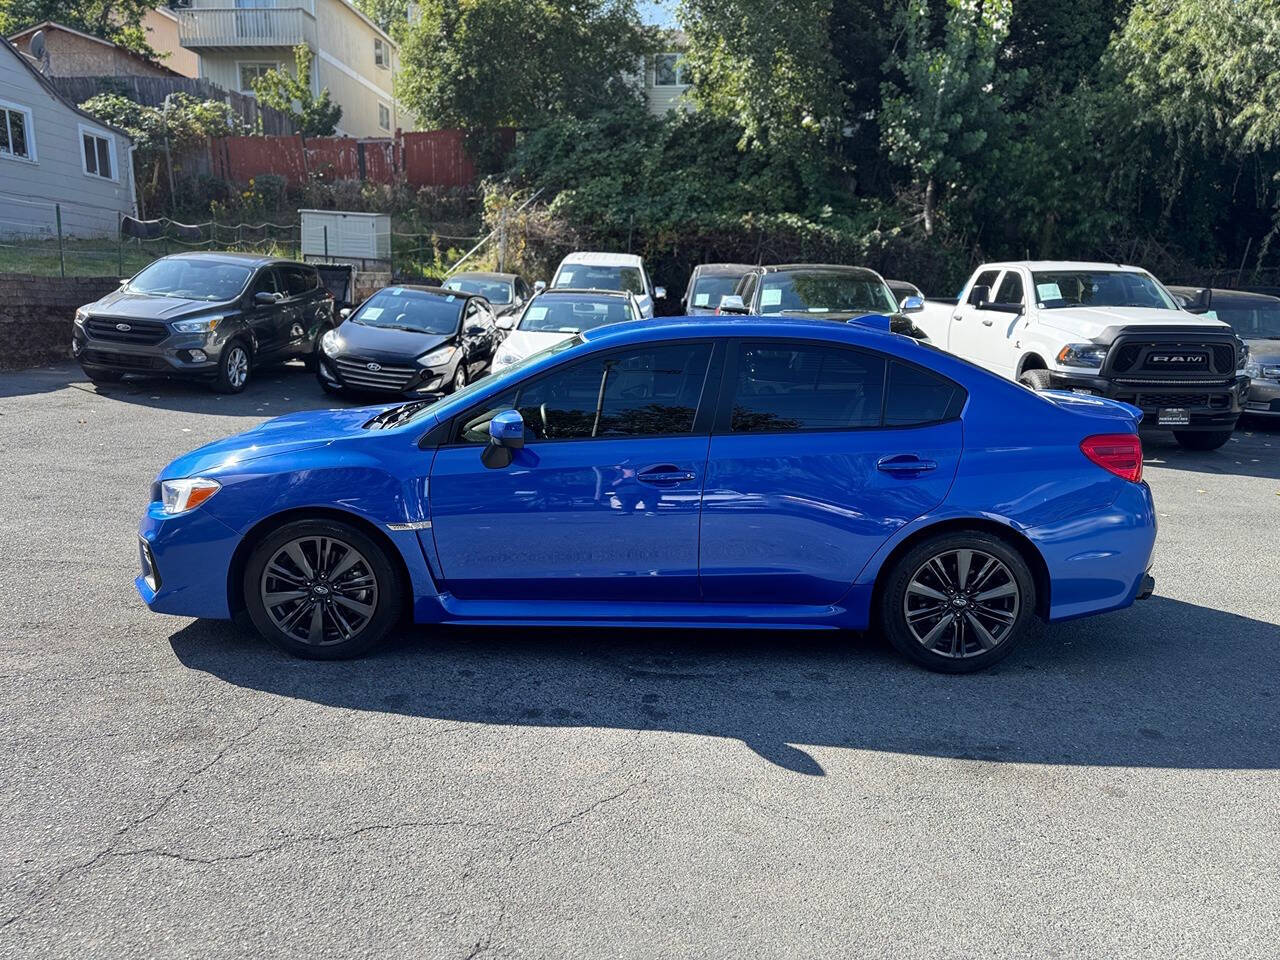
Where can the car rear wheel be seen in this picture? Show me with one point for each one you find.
(234, 368)
(958, 602)
(1201, 439)
(1037, 380)
(322, 590)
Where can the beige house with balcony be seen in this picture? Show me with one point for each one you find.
(240, 40)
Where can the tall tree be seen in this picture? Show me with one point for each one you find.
(941, 105)
(291, 93)
(391, 15)
(119, 21)
(481, 64)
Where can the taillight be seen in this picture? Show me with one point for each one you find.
(1121, 453)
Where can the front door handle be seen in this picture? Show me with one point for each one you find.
(664, 475)
(905, 464)
(987, 323)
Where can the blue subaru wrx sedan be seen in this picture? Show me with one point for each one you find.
(708, 472)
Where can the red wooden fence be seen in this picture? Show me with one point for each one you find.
(429, 158)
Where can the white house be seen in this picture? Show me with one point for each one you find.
(666, 78)
(57, 159)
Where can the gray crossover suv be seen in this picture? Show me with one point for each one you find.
(209, 316)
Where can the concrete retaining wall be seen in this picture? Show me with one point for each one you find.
(36, 314)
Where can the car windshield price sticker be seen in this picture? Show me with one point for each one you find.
(1048, 291)
(371, 313)
(770, 296)
(537, 313)
(701, 299)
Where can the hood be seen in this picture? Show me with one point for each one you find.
(380, 343)
(141, 306)
(1100, 408)
(1263, 351)
(287, 434)
(1089, 322)
(523, 343)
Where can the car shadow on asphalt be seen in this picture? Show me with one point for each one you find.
(1252, 451)
(1164, 684)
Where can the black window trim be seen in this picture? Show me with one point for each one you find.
(723, 426)
(702, 417)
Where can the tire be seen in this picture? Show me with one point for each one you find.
(325, 622)
(312, 360)
(103, 376)
(330, 389)
(459, 377)
(989, 630)
(1037, 380)
(235, 368)
(1201, 439)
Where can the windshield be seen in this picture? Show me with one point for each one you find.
(495, 291)
(191, 279)
(498, 380)
(417, 311)
(573, 315)
(585, 277)
(824, 293)
(1099, 288)
(1255, 321)
(707, 291)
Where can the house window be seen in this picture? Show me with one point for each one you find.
(669, 70)
(384, 116)
(99, 154)
(381, 56)
(249, 72)
(16, 139)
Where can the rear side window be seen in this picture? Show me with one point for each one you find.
(916, 396)
(785, 387)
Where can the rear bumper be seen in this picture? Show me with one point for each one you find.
(1210, 406)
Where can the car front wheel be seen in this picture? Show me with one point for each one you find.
(958, 602)
(234, 368)
(322, 589)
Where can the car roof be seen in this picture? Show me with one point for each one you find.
(736, 325)
(245, 259)
(591, 258)
(723, 269)
(438, 291)
(483, 275)
(1063, 265)
(831, 267)
(583, 292)
(1230, 296)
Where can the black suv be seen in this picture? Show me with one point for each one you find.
(209, 316)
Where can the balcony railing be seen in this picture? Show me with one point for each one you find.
(206, 25)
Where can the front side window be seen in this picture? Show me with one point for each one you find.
(819, 293)
(298, 281)
(191, 279)
(1098, 288)
(800, 387)
(97, 155)
(15, 133)
(1010, 290)
(573, 315)
(418, 311)
(669, 70)
(583, 277)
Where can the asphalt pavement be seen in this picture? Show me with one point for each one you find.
(175, 788)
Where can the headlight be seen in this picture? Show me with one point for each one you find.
(81, 317)
(1267, 371)
(1082, 355)
(439, 357)
(179, 496)
(198, 325)
(331, 343)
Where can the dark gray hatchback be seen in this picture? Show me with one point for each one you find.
(208, 316)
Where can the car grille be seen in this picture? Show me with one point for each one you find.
(356, 373)
(1213, 401)
(140, 331)
(1137, 358)
(122, 361)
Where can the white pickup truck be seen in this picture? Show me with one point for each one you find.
(1101, 329)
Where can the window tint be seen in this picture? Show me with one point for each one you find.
(267, 282)
(986, 279)
(784, 387)
(1010, 288)
(916, 396)
(298, 281)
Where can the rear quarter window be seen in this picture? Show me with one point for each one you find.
(916, 396)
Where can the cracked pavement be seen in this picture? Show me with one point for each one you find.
(173, 788)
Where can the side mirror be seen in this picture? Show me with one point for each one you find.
(539, 286)
(123, 281)
(1200, 302)
(912, 304)
(344, 313)
(978, 295)
(506, 433)
(267, 297)
(731, 303)
(659, 293)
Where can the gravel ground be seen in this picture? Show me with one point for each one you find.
(175, 788)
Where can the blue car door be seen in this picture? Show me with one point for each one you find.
(819, 454)
(601, 503)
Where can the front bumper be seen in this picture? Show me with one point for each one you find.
(1211, 406)
(184, 560)
(1263, 398)
(171, 357)
(400, 378)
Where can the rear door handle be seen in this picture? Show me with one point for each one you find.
(987, 323)
(664, 475)
(905, 463)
